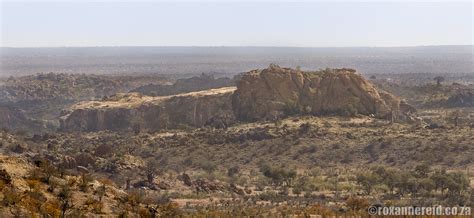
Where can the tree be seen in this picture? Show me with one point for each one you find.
(392, 179)
(45, 171)
(101, 192)
(356, 204)
(412, 185)
(439, 80)
(367, 181)
(64, 197)
(404, 182)
(151, 170)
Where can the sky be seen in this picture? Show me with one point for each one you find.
(234, 23)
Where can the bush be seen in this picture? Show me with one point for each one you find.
(367, 181)
(103, 150)
(51, 209)
(291, 108)
(208, 166)
(279, 176)
(357, 204)
(11, 197)
(84, 182)
(95, 205)
(231, 172)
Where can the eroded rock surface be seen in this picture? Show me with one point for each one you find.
(137, 112)
(266, 94)
(276, 91)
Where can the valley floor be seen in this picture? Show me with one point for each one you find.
(299, 165)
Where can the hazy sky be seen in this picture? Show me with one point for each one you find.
(316, 24)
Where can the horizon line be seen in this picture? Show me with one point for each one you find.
(227, 46)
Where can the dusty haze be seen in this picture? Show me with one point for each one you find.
(231, 60)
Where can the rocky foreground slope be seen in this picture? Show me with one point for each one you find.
(267, 94)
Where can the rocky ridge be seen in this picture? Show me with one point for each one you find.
(137, 112)
(267, 94)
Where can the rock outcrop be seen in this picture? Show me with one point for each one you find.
(276, 91)
(266, 94)
(137, 112)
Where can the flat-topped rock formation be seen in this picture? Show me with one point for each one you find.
(266, 94)
(135, 111)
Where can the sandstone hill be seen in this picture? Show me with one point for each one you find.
(134, 111)
(267, 94)
(276, 91)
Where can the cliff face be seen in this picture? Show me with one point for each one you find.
(133, 111)
(275, 91)
(266, 94)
